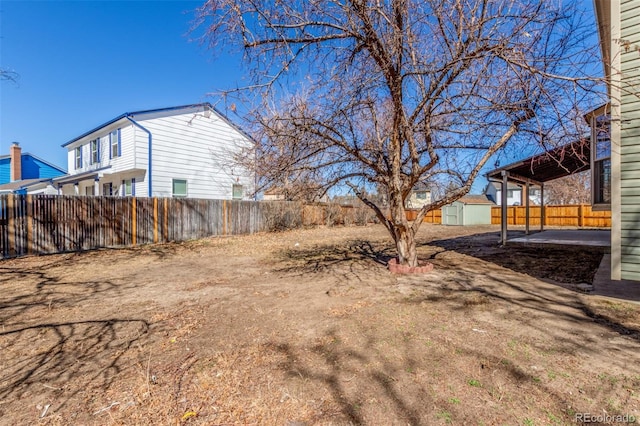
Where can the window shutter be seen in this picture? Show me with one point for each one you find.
(133, 187)
(119, 144)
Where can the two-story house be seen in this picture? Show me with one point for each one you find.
(419, 196)
(186, 151)
(515, 196)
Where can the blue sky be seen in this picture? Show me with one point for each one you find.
(82, 63)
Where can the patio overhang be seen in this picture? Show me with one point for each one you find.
(73, 179)
(559, 162)
(554, 164)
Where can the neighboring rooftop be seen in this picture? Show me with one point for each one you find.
(475, 199)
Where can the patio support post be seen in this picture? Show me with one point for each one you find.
(541, 207)
(503, 207)
(526, 209)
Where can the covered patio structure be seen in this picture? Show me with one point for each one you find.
(553, 164)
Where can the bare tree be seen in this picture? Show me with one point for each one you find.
(8, 75)
(572, 189)
(385, 94)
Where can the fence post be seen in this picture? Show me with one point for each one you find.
(166, 220)
(11, 225)
(580, 216)
(155, 220)
(133, 221)
(224, 217)
(29, 219)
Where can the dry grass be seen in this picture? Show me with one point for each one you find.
(308, 327)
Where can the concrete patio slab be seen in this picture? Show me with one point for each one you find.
(598, 238)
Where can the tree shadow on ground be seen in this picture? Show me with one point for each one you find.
(565, 267)
(378, 373)
(494, 276)
(330, 257)
(53, 354)
(39, 356)
(568, 265)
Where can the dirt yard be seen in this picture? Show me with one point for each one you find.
(308, 327)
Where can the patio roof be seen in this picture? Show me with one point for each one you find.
(559, 162)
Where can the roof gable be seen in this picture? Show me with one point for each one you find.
(160, 112)
(33, 167)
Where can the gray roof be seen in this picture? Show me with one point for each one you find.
(420, 186)
(19, 184)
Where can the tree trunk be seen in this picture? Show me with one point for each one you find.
(402, 234)
(406, 247)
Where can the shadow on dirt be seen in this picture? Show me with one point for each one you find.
(324, 258)
(535, 306)
(40, 357)
(571, 265)
(381, 373)
(89, 353)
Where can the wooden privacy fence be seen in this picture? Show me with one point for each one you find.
(580, 215)
(434, 216)
(45, 224)
(40, 224)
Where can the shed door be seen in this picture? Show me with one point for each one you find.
(450, 213)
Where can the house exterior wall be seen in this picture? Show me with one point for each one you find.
(32, 168)
(198, 149)
(415, 203)
(626, 130)
(514, 195)
(125, 161)
(187, 144)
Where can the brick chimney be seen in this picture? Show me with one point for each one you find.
(16, 162)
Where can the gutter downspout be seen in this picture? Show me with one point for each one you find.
(140, 126)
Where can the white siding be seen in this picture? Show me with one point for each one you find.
(186, 144)
(198, 149)
(121, 163)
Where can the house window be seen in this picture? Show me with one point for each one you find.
(89, 190)
(114, 144)
(421, 195)
(78, 156)
(95, 151)
(179, 188)
(238, 191)
(128, 186)
(107, 189)
(601, 154)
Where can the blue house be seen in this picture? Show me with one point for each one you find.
(24, 172)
